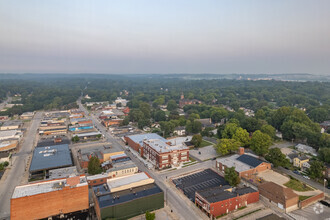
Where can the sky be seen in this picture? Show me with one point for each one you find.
(165, 36)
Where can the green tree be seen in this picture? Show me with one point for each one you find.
(171, 105)
(75, 139)
(324, 154)
(277, 158)
(260, 143)
(218, 114)
(225, 146)
(319, 114)
(125, 121)
(268, 129)
(145, 109)
(193, 116)
(135, 115)
(232, 176)
(193, 127)
(229, 130)
(197, 140)
(242, 136)
(94, 166)
(316, 169)
(159, 116)
(260, 114)
(150, 216)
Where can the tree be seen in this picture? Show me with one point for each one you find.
(135, 115)
(268, 129)
(229, 130)
(193, 116)
(324, 154)
(316, 169)
(277, 158)
(145, 109)
(193, 127)
(94, 166)
(197, 140)
(159, 116)
(260, 143)
(242, 136)
(75, 139)
(125, 121)
(150, 216)
(171, 105)
(260, 114)
(225, 146)
(319, 114)
(218, 114)
(232, 176)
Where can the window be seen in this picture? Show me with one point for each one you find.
(101, 180)
(94, 181)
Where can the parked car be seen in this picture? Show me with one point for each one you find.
(323, 202)
(307, 177)
(296, 172)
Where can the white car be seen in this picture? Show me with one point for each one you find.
(307, 177)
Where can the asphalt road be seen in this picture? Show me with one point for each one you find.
(302, 179)
(17, 170)
(183, 209)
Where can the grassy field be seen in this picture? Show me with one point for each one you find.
(298, 186)
(205, 143)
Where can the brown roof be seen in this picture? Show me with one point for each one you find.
(279, 191)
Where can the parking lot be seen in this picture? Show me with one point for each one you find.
(204, 153)
(198, 181)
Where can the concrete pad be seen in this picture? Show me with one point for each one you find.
(207, 152)
(272, 176)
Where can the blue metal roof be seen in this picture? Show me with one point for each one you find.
(140, 137)
(49, 157)
(249, 160)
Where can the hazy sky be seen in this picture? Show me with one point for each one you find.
(165, 36)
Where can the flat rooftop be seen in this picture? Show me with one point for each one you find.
(179, 140)
(106, 199)
(161, 147)
(12, 123)
(105, 149)
(50, 157)
(44, 187)
(122, 165)
(217, 194)
(63, 172)
(199, 181)
(134, 179)
(141, 137)
(88, 134)
(9, 133)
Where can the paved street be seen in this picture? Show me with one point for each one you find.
(181, 208)
(15, 173)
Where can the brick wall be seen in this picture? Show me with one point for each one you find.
(133, 145)
(306, 202)
(48, 204)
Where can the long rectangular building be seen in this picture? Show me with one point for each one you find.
(126, 197)
(50, 198)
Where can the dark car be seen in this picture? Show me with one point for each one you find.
(325, 203)
(296, 172)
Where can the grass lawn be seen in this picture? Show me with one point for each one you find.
(205, 143)
(192, 159)
(298, 186)
(302, 198)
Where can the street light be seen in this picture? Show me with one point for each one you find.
(324, 180)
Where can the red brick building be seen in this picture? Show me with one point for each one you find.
(136, 141)
(110, 122)
(282, 197)
(49, 198)
(222, 200)
(163, 155)
(245, 165)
